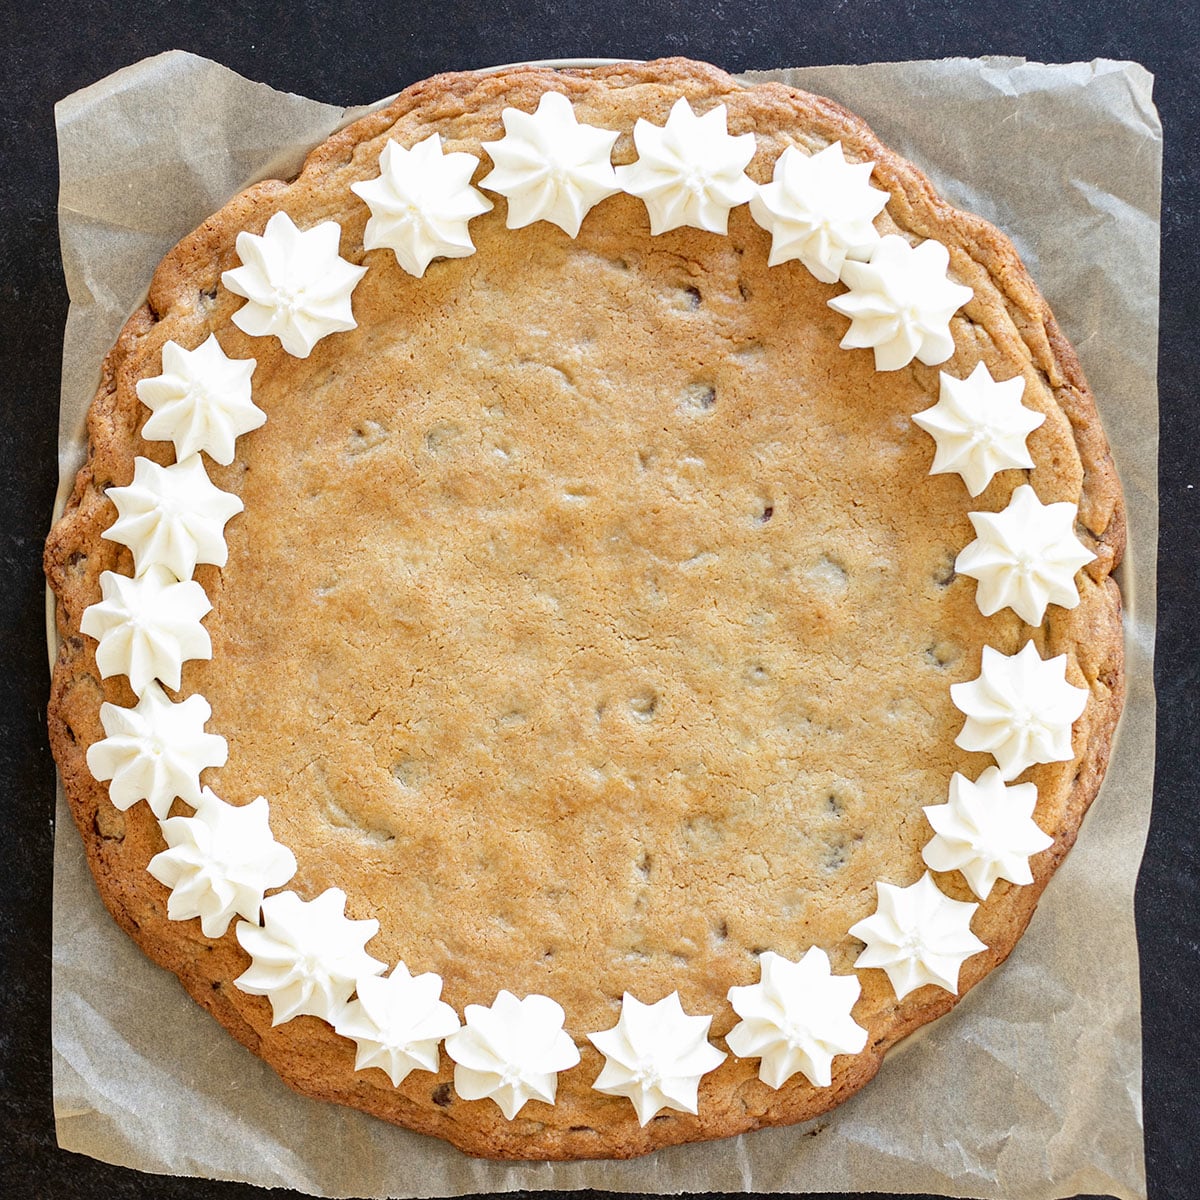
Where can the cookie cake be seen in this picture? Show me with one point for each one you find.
(588, 613)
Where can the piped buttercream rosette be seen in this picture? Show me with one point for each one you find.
(1025, 557)
(917, 936)
(511, 1051)
(980, 427)
(307, 956)
(148, 627)
(397, 1022)
(986, 831)
(220, 862)
(900, 303)
(421, 204)
(796, 1019)
(819, 209)
(155, 751)
(1020, 709)
(201, 401)
(296, 284)
(690, 171)
(172, 517)
(655, 1056)
(549, 167)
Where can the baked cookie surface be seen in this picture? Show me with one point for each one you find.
(592, 616)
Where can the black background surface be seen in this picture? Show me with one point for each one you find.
(352, 54)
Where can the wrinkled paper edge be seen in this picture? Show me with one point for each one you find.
(359, 1155)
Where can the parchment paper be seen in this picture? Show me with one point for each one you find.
(1032, 1086)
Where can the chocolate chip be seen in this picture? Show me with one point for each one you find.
(699, 396)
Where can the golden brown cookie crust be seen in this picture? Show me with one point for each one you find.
(628, 582)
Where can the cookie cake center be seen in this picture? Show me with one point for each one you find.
(591, 570)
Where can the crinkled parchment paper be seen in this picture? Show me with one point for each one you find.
(1032, 1086)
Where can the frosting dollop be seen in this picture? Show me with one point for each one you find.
(819, 209)
(550, 167)
(986, 830)
(155, 751)
(296, 284)
(397, 1022)
(511, 1052)
(655, 1055)
(1020, 709)
(172, 516)
(796, 1018)
(980, 427)
(690, 171)
(307, 956)
(1024, 557)
(918, 936)
(201, 401)
(900, 303)
(219, 863)
(421, 203)
(147, 627)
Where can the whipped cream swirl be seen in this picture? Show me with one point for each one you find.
(511, 1052)
(986, 830)
(819, 209)
(201, 401)
(796, 1018)
(147, 627)
(980, 427)
(1020, 709)
(172, 516)
(307, 956)
(155, 751)
(655, 1055)
(549, 167)
(900, 303)
(296, 284)
(421, 204)
(219, 862)
(918, 936)
(691, 171)
(1025, 557)
(397, 1022)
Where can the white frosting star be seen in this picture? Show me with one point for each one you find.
(986, 831)
(397, 1023)
(690, 171)
(1019, 709)
(655, 1055)
(147, 627)
(297, 286)
(549, 167)
(201, 401)
(173, 516)
(901, 302)
(155, 751)
(820, 209)
(421, 204)
(1024, 557)
(796, 1018)
(511, 1052)
(980, 427)
(219, 863)
(307, 956)
(918, 936)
